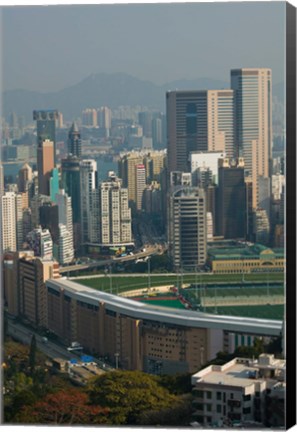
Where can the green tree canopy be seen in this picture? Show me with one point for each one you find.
(128, 394)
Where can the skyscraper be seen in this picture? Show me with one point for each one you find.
(115, 213)
(9, 237)
(46, 127)
(74, 141)
(231, 210)
(187, 228)
(253, 122)
(71, 183)
(140, 181)
(45, 165)
(198, 121)
(89, 204)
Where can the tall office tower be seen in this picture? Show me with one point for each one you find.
(152, 200)
(104, 120)
(187, 228)
(49, 219)
(250, 210)
(253, 121)
(89, 117)
(264, 194)
(209, 224)
(74, 141)
(46, 128)
(60, 120)
(12, 221)
(36, 202)
(71, 183)
(25, 176)
(27, 222)
(231, 209)
(1, 180)
(198, 121)
(261, 226)
(127, 169)
(89, 204)
(157, 132)
(65, 247)
(277, 183)
(45, 165)
(66, 243)
(154, 162)
(140, 181)
(206, 160)
(115, 213)
(145, 119)
(19, 205)
(40, 241)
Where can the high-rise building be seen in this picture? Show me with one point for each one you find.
(104, 120)
(45, 165)
(206, 160)
(198, 121)
(187, 228)
(89, 117)
(66, 244)
(24, 285)
(40, 241)
(140, 181)
(253, 121)
(1, 180)
(127, 172)
(46, 128)
(71, 183)
(115, 213)
(89, 204)
(12, 221)
(74, 141)
(231, 203)
(261, 226)
(25, 176)
(145, 119)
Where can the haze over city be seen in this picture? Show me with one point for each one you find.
(49, 48)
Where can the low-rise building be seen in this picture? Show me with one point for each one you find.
(244, 258)
(240, 391)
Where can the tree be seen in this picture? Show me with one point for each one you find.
(63, 408)
(128, 394)
(32, 354)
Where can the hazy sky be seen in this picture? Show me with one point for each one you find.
(48, 48)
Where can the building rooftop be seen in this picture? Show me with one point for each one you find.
(245, 251)
(241, 372)
(186, 318)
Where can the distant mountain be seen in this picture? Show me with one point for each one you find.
(101, 89)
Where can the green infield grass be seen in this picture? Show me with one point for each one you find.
(261, 311)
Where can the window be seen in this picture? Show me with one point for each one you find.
(247, 410)
(198, 393)
(219, 408)
(208, 394)
(246, 397)
(231, 396)
(219, 396)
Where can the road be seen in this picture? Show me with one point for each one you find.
(150, 250)
(50, 348)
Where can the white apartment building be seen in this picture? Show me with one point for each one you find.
(66, 243)
(9, 237)
(115, 213)
(238, 392)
